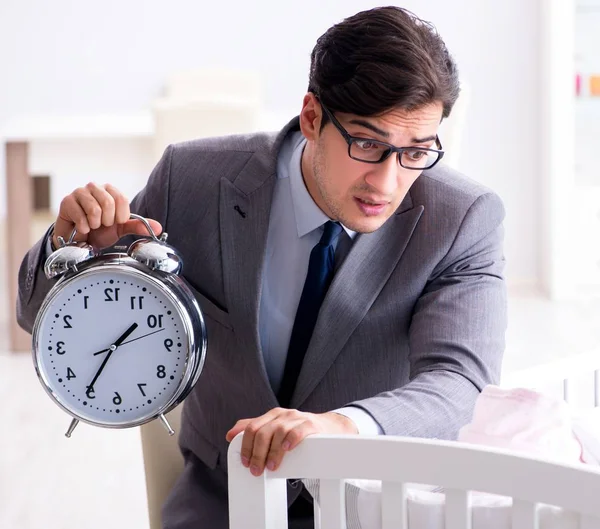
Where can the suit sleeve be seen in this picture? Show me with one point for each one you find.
(457, 334)
(151, 202)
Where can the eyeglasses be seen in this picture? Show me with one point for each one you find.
(374, 151)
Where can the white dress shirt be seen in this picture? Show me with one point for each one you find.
(295, 227)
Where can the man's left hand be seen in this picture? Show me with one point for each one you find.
(268, 437)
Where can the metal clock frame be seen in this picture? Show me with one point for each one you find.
(182, 298)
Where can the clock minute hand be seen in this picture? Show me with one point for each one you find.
(133, 340)
(111, 350)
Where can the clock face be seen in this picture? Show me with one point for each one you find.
(112, 346)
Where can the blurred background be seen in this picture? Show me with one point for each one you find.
(94, 91)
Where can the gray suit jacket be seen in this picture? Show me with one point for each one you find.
(411, 330)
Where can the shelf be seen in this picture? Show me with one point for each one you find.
(104, 126)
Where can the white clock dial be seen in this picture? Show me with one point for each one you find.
(112, 347)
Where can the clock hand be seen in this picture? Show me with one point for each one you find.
(126, 334)
(129, 341)
(112, 349)
(142, 336)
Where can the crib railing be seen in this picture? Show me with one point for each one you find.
(576, 379)
(260, 502)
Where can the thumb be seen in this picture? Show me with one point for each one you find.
(136, 227)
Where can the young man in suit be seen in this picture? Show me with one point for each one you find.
(350, 282)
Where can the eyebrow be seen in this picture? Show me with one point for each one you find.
(385, 134)
(424, 140)
(370, 126)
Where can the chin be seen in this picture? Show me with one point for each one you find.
(364, 225)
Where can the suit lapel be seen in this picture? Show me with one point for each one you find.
(244, 227)
(353, 290)
(244, 210)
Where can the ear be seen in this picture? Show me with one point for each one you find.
(310, 117)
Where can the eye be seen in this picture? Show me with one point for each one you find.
(416, 155)
(367, 145)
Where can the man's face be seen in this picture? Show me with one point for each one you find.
(362, 196)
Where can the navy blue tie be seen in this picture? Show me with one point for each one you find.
(318, 279)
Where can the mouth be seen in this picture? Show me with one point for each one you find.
(372, 202)
(371, 207)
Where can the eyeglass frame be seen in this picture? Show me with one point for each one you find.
(392, 148)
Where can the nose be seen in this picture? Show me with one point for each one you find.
(385, 176)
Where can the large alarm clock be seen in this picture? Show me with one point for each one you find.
(120, 339)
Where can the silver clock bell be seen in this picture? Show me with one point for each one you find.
(154, 253)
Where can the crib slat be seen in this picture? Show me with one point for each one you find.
(333, 504)
(597, 388)
(524, 515)
(317, 514)
(394, 506)
(458, 513)
(567, 390)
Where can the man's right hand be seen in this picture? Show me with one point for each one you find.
(101, 216)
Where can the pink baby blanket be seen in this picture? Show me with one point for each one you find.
(533, 423)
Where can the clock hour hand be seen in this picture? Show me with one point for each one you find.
(125, 335)
(111, 350)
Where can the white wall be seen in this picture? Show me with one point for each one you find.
(69, 56)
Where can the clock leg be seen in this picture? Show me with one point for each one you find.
(166, 424)
(72, 426)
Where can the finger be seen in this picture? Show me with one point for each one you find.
(261, 446)
(269, 438)
(252, 429)
(295, 436)
(70, 215)
(276, 451)
(106, 203)
(90, 205)
(122, 211)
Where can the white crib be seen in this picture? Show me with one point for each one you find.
(260, 503)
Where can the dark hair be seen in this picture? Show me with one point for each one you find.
(381, 59)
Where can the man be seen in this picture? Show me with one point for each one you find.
(347, 215)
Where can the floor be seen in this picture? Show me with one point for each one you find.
(95, 479)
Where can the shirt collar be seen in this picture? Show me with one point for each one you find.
(308, 215)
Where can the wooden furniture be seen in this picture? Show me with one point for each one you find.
(18, 137)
